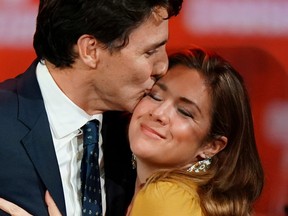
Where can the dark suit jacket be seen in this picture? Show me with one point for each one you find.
(28, 164)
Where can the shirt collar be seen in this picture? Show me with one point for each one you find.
(65, 117)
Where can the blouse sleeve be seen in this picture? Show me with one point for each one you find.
(165, 199)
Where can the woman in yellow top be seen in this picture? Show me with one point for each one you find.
(193, 142)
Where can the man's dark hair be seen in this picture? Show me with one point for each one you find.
(61, 22)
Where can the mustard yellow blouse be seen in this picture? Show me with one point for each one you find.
(166, 199)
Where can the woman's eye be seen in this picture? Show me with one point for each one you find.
(154, 96)
(185, 112)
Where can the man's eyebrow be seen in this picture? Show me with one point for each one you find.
(156, 45)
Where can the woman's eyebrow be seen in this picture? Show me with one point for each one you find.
(161, 86)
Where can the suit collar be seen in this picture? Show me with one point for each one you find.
(31, 104)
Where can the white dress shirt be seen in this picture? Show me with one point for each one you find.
(66, 119)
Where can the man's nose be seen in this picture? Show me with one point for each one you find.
(161, 66)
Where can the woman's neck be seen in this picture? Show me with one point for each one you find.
(144, 171)
(143, 174)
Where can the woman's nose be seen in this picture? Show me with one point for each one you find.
(161, 113)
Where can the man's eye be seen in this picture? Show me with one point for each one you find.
(151, 52)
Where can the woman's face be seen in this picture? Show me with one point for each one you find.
(169, 125)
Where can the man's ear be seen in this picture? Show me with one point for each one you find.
(212, 148)
(88, 50)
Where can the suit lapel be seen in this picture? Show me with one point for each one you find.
(38, 142)
(119, 176)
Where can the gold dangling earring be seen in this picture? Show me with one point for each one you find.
(201, 166)
(134, 162)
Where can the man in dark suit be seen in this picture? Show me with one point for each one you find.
(93, 56)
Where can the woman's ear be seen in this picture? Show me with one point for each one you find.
(88, 50)
(212, 148)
